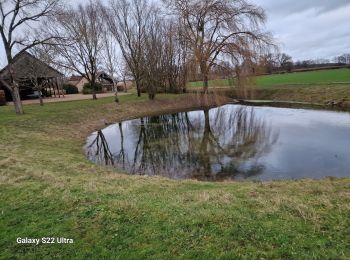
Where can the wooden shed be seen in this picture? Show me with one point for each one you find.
(30, 72)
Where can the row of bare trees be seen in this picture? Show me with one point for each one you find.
(150, 43)
(158, 44)
(282, 62)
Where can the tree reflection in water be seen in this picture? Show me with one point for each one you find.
(101, 152)
(214, 145)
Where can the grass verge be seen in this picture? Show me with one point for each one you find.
(49, 189)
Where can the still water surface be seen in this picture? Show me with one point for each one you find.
(232, 142)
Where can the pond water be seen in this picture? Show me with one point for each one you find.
(232, 142)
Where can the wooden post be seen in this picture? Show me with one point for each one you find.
(59, 87)
(54, 92)
(2, 98)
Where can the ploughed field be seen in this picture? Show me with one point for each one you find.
(49, 189)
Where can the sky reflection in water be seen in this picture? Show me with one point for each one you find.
(230, 142)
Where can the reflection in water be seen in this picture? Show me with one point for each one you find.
(102, 152)
(215, 144)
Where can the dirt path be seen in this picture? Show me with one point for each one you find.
(66, 98)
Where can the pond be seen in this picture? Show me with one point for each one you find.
(232, 142)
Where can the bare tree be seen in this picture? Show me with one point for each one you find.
(153, 55)
(81, 43)
(285, 62)
(175, 57)
(124, 73)
(128, 21)
(165, 57)
(211, 26)
(343, 59)
(110, 60)
(17, 33)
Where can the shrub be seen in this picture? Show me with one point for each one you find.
(70, 89)
(87, 89)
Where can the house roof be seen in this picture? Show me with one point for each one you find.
(75, 78)
(26, 64)
(100, 74)
(128, 83)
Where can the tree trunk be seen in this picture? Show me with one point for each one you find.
(138, 91)
(122, 151)
(205, 83)
(17, 99)
(14, 89)
(206, 121)
(125, 86)
(39, 89)
(205, 157)
(93, 87)
(138, 87)
(116, 98)
(151, 96)
(41, 98)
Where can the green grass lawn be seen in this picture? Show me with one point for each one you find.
(322, 77)
(48, 188)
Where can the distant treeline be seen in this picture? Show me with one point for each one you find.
(274, 63)
(282, 63)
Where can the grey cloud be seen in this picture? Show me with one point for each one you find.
(309, 29)
(288, 7)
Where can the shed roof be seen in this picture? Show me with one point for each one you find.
(26, 65)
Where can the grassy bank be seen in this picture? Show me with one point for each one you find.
(329, 96)
(48, 189)
(320, 87)
(324, 94)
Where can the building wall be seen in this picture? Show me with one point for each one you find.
(106, 84)
(81, 84)
(121, 85)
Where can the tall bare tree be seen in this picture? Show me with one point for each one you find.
(123, 73)
(17, 19)
(175, 57)
(128, 21)
(81, 43)
(110, 60)
(213, 26)
(153, 56)
(166, 57)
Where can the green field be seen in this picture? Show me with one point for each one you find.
(312, 77)
(337, 76)
(48, 188)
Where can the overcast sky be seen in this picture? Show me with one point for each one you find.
(305, 29)
(309, 29)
